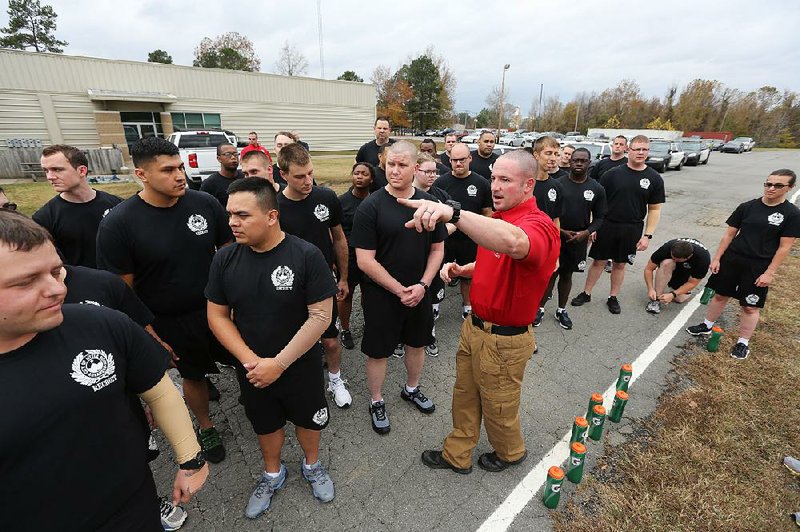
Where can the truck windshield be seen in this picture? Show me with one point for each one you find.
(202, 141)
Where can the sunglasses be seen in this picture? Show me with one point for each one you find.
(776, 186)
(9, 206)
(462, 160)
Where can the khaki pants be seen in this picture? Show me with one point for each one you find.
(489, 371)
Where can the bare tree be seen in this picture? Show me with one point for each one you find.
(291, 61)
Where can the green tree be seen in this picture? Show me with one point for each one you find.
(31, 25)
(349, 75)
(425, 106)
(159, 56)
(229, 50)
(393, 94)
(486, 118)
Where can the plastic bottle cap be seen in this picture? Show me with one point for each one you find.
(622, 395)
(555, 472)
(597, 398)
(716, 329)
(578, 447)
(599, 410)
(581, 421)
(627, 367)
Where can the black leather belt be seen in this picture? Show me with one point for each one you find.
(501, 330)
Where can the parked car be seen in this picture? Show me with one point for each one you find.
(666, 154)
(716, 144)
(598, 150)
(198, 150)
(733, 146)
(697, 151)
(747, 142)
(472, 137)
(461, 134)
(512, 139)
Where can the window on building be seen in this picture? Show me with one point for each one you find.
(190, 121)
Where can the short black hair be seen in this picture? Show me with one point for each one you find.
(582, 150)
(429, 141)
(368, 166)
(219, 147)
(681, 250)
(20, 233)
(385, 119)
(263, 190)
(786, 172)
(147, 149)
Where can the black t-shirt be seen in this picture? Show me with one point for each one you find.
(169, 250)
(549, 197)
(473, 192)
(629, 192)
(380, 180)
(379, 225)
(277, 177)
(369, 152)
(440, 195)
(68, 427)
(349, 204)
(761, 227)
(584, 205)
(271, 305)
(87, 286)
(481, 166)
(217, 185)
(559, 174)
(698, 263)
(313, 218)
(74, 225)
(604, 165)
(445, 158)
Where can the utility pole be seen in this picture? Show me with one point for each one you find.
(500, 110)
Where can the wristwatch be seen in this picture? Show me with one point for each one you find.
(649, 237)
(422, 283)
(456, 211)
(195, 463)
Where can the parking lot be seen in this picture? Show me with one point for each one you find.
(380, 481)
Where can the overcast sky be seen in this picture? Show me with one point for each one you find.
(570, 47)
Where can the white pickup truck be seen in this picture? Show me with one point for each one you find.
(198, 151)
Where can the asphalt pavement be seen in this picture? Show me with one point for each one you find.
(381, 483)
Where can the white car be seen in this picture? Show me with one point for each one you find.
(512, 139)
(747, 142)
(472, 137)
(697, 151)
(666, 155)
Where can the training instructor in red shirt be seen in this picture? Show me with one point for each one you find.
(517, 252)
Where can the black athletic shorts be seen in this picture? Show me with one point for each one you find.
(193, 342)
(737, 278)
(460, 250)
(616, 241)
(140, 513)
(573, 256)
(387, 322)
(436, 289)
(297, 396)
(680, 276)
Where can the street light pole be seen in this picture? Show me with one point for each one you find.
(500, 109)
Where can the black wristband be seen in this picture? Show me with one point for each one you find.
(422, 283)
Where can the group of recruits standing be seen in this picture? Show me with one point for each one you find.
(250, 277)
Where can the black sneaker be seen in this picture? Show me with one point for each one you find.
(213, 392)
(613, 305)
(539, 315)
(418, 399)
(740, 351)
(699, 330)
(211, 442)
(347, 339)
(580, 299)
(563, 319)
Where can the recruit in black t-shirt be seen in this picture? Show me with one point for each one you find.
(217, 185)
(761, 227)
(312, 218)
(168, 249)
(549, 197)
(68, 427)
(698, 263)
(380, 180)
(440, 195)
(271, 306)
(559, 174)
(584, 205)
(445, 158)
(629, 192)
(481, 166)
(87, 286)
(604, 165)
(368, 153)
(473, 192)
(380, 225)
(349, 203)
(74, 225)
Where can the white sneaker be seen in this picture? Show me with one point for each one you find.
(340, 394)
(172, 517)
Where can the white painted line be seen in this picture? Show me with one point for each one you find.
(529, 486)
(794, 197)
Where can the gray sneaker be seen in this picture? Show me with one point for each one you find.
(653, 307)
(419, 400)
(262, 495)
(172, 517)
(380, 420)
(320, 480)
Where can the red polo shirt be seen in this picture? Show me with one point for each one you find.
(506, 291)
(260, 148)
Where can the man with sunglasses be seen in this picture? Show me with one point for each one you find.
(760, 234)
(217, 183)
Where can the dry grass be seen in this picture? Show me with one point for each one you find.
(710, 457)
(30, 196)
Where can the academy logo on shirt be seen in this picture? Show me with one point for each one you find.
(321, 417)
(321, 212)
(472, 190)
(775, 218)
(752, 299)
(440, 294)
(197, 224)
(283, 278)
(94, 368)
(552, 194)
(644, 183)
(588, 195)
